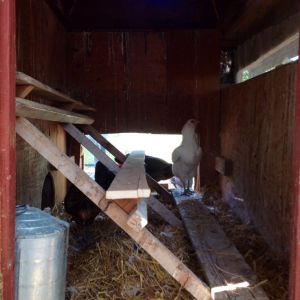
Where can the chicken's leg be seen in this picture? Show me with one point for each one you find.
(186, 187)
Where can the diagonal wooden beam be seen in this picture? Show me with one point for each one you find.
(90, 146)
(121, 157)
(164, 212)
(178, 270)
(23, 91)
(158, 207)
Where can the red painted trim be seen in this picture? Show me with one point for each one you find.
(7, 145)
(295, 249)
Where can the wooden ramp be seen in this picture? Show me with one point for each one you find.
(227, 273)
(185, 277)
(154, 203)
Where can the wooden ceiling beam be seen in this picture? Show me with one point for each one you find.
(255, 16)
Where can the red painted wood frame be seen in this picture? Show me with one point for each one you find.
(295, 252)
(7, 146)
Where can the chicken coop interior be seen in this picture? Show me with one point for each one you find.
(222, 77)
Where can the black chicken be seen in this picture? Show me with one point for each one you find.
(84, 211)
(78, 205)
(158, 168)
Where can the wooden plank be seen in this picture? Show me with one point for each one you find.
(138, 218)
(262, 166)
(35, 110)
(121, 157)
(224, 267)
(98, 137)
(224, 166)
(130, 181)
(23, 91)
(48, 92)
(58, 136)
(90, 146)
(179, 271)
(126, 204)
(165, 213)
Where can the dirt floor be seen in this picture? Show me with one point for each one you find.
(113, 266)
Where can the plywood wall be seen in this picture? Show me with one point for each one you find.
(149, 81)
(256, 134)
(41, 53)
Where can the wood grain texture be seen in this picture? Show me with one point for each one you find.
(58, 136)
(224, 166)
(150, 82)
(34, 110)
(22, 91)
(138, 218)
(130, 181)
(48, 93)
(45, 60)
(91, 147)
(186, 278)
(121, 157)
(8, 149)
(127, 204)
(223, 265)
(256, 134)
(165, 213)
(294, 274)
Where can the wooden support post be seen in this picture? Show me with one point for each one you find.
(8, 148)
(22, 91)
(178, 270)
(138, 218)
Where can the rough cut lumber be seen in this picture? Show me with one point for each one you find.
(90, 146)
(165, 213)
(224, 166)
(98, 137)
(126, 204)
(23, 91)
(185, 277)
(35, 110)
(224, 267)
(49, 93)
(138, 218)
(130, 182)
(121, 157)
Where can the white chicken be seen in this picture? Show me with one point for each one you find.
(187, 156)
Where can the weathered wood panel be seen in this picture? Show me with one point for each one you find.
(149, 82)
(41, 53)
(256, 134)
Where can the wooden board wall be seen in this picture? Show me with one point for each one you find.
(149, 82)
(256, 134)
(41, 53)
